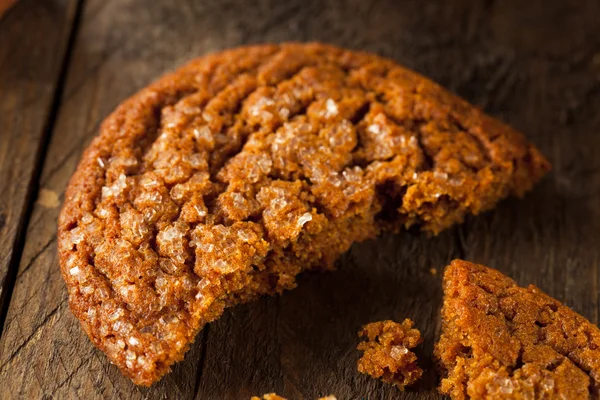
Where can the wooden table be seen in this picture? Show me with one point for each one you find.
(65, 64)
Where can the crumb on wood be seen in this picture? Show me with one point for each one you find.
(48, 198)
(273, 396)
(268, 396)
(386, 352)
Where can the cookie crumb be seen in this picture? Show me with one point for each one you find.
(48, 198)
(387, 352)
(273, 396)
(268, 396)
(433, 271)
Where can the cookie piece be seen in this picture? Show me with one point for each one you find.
(502, 341)
(268, 396)
(225, 179)
(387, 354)
(273, 396)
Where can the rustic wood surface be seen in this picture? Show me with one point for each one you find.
(33, 45)
(65, 64)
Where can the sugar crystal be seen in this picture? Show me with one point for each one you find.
(304, 218)
(116, 314)
(398, 351)
(440, 175)
(87, 290)
(374, 129)
(332, 109)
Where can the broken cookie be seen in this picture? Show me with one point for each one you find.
(224, 180)
(502, 341)
(386, 352)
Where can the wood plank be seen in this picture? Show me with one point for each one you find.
(550, 238)
(303, 342)
(32, 50)
(541, 78)
(43, 351)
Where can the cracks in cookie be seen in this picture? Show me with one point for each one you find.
(390, 197)
(542, 340)
(519, 363)
(92, 262)
(211, 198)
(360, 114)
(483, 148)
(556, 363)
(152, 133)
(302, 111)
(594, 386)
(358, 117)
(594, 383)
(428, 159)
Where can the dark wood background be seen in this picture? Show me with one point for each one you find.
(65, 64)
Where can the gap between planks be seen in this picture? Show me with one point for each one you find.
(40, 157)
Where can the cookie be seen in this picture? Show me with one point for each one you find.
(386, 352)
(222, 181)
(268, 396)
(502, 341)
(273, 396)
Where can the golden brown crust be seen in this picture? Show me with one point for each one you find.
(386, 352)
(268, 396)
(502, 341)
(225, 179)
(273, 396)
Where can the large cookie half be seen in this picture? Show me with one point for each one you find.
(225, 179)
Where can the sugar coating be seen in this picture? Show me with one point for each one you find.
(225, 179)
(502, 341)
(386, 352)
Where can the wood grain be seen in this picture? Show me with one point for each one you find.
(32, 50)
(550, 237)
(43, 351)
(536, 65)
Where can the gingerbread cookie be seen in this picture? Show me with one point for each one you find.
(225, 179)
(502, 341)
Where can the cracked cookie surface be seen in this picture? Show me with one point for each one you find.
(502, 341)
(386, 352)
(222, 181)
